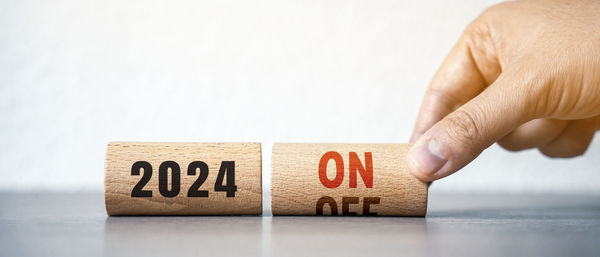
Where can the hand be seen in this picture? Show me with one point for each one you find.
(524, 74)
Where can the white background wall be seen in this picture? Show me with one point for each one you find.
(76, 74)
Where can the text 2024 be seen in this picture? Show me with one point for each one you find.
(227, 169)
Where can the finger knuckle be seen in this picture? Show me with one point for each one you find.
(534, 89)
(464, 127)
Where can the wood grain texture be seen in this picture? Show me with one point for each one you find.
(296, 187)
(119, 181)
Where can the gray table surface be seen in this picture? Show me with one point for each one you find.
(75, 224)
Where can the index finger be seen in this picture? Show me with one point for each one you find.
(457, 81)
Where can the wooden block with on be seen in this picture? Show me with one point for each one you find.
(183, 178)
(345, 179)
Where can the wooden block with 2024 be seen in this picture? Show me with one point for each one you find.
(183, 178)
(345, 179)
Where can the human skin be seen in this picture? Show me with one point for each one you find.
(524, 74)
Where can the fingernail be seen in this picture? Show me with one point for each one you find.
(428, 158)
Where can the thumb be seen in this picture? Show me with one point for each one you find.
(462, 135)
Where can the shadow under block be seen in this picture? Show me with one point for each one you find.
(345, 179)
(183, 179)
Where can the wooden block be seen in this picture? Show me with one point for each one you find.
(345, 179)
(183, 178)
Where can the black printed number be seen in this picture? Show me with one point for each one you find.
(163, 176)
(195, 188)
(135, 171)
(227, 169)
(170, 170)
